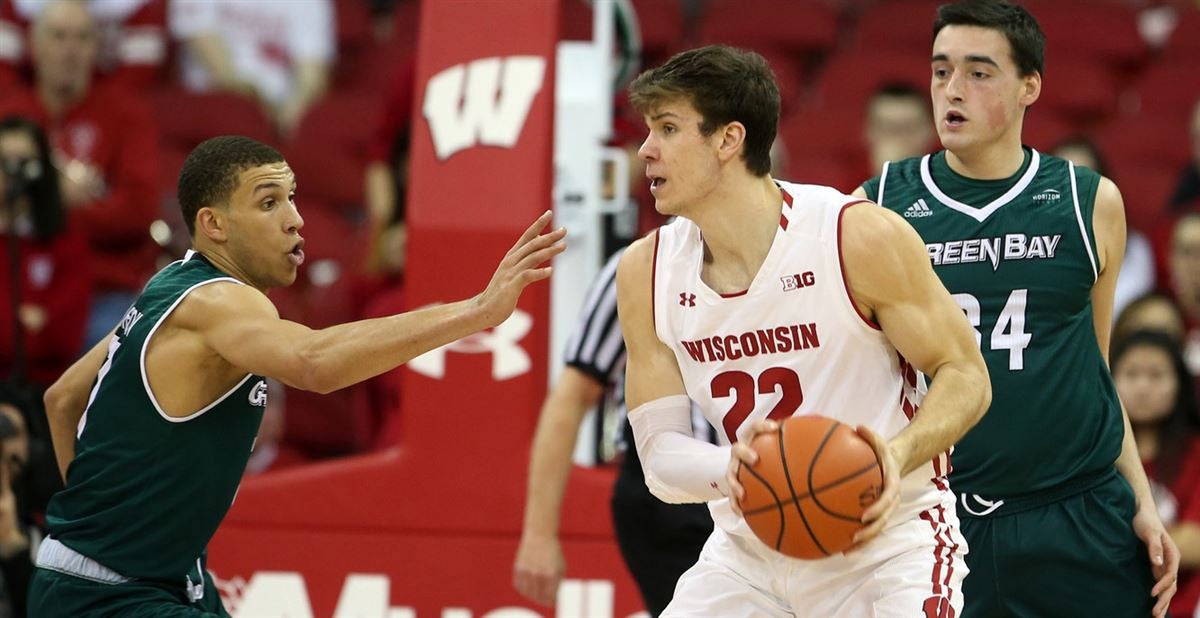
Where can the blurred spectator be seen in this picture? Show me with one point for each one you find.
(52, 263)
(1155, 312)
(28, 476)
(1154, 385)
(105, 146)
(379, 290)
(1188, 188)
(388, 152)
(133, 39)
(15, 557)
(379, 293)
(899, 125)
(277, 52)
(1137, 274)
(1081, 151)
(1184, 269)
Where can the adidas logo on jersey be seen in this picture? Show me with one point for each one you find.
(918, 209)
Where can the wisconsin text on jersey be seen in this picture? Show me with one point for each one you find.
(1000, 248)
(762, 341)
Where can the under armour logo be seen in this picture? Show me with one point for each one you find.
(687, 300)
(509, 359)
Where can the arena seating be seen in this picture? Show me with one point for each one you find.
(1102, 80)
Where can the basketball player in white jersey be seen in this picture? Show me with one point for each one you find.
(764, 300)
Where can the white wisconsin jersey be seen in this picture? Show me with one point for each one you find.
(793, 343)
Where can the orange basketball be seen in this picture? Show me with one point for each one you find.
(814, 478)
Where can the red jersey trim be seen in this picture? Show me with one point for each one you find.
(787, 203)
(653, 281)
(938, 605)
(736, 294)
(842, 265)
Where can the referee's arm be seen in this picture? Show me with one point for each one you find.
(591, 358)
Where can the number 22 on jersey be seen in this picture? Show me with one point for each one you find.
(745, 389)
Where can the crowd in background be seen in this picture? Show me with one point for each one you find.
(101, 100)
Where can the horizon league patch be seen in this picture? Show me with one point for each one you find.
(1010, 247)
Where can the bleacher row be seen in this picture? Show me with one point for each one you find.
(1102, 80)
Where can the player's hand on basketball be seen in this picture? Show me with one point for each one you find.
(875, 518)
(741, 453)
(539, 568)
(520, 267)
(1164, 557)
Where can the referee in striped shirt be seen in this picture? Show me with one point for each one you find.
(658, 541)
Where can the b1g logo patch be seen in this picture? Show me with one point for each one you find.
(795, 282)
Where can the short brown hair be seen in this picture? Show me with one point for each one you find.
(725, 85)
(210, 173)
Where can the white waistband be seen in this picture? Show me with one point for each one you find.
(55, 556)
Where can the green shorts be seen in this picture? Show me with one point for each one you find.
(1075, 556)
(54, 595)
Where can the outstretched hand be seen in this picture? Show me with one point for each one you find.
(520, 267)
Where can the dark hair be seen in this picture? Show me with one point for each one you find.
(725, 85)
(210, 173)
(899, 90)
(1122, 326)
(1024, 35)
(1086, 143)
(17, 395)
(1177, 429)
(46, 207)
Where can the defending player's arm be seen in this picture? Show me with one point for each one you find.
(243, 327)
(891, 280)
(539, 565)
(1108, 222)
(679, 468)
(67, 399)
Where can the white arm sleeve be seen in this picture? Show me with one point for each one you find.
(678, 467)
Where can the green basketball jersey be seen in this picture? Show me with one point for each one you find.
(1019, 256)
(146, 491)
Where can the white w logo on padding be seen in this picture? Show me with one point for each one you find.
(490, 112)
(509, 359)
